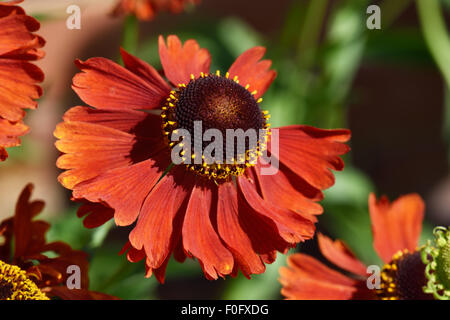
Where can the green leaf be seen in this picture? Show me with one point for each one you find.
(261, 287)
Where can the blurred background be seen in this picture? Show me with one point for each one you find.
(389, 86)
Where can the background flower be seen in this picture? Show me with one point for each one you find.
(396, 228)
(147, 9)
(18, 77)
(45, 264)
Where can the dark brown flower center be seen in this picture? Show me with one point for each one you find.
(219, 103)
(6, 290)
(209, 107)
(404, 278)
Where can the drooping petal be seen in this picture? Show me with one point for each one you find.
(180, 61)
(145, 71)
(396, 226)
(120, 157)
(125, 188)
(133, 254)
(112, 149)
(96, 214)
(199, 237)
(158, 228)
(308, 279)
(141, 124)
(80, 141)
(251, 70)
(338, 253)
(106, 85)
(262, 231)
(286, 190)
(292, 226)
(312, 153)
(231, 232)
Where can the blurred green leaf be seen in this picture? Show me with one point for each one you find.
(237, 36)
(435, 34)
(100, 233)
(351, 186)
(113, 274)
(69, 228)
(130, 37)
(260, 287)
(346, 212)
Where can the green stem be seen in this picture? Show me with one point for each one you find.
(310, 31)
(116, 276)
(130, 38)
(435, 34)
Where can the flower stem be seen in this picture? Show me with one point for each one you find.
(130, 38)
(435, 34)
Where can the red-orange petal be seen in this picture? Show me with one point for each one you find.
(180, 61)
(145, 71)
(292, 226)
(158, 228)
(106, 85)
(318, 149)
(110, 135)
(96, 214)
(251, 70)
(144, 10)
(397, 225)
(308, 279)
(23, 226)
(199, 237)
(133, 254)
(125, 188)
(18, 77)
(148, 9)
(18, 89)
(286, 190)
(338, 253)
(80, 141)
(9, 135)
(231, 232)
(140, 124)
(16, 32)
(262, 231)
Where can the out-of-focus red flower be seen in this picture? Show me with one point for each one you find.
(24, 255)
(18, 77)
(148, 9)
(228, 216)
(396, 230)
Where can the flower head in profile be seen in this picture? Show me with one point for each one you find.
(148, 9)
(396, 230)
(118, 156)
(18, 76)
(26, 270)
